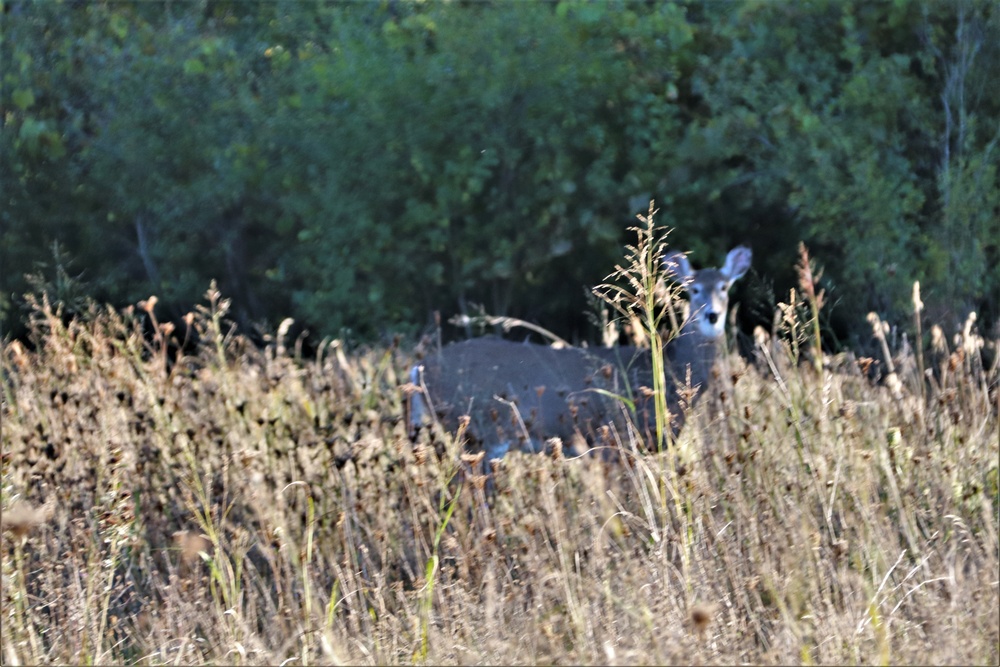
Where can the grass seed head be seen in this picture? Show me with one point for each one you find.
(848, 410)
(555, 447)
(479, 481)
(190, 545)
(148, 304)
(409, 389)
(22, 518)
(473, 459)
(700, 617)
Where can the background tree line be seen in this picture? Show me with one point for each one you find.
(359, 165)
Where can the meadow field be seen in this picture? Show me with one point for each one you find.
(239, 504)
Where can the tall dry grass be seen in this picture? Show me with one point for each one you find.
(250, 507)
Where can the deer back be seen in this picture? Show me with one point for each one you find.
(518, 394)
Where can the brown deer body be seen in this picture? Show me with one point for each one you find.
(517, 395)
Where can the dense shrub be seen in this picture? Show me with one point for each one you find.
(359, 165)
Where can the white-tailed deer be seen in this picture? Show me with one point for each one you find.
(518, 394)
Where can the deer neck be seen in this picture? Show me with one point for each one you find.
(691, 352)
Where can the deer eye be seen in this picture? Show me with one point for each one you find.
(695, 290)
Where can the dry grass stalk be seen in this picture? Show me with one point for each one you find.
(827, 525)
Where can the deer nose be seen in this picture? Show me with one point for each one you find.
(712, 317)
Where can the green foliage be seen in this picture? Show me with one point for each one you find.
(832, 114)
(359, 165)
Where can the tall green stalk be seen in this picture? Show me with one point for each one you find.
(632, 290)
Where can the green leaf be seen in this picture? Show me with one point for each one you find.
(119, 26)
(193, 66)
(23, 98)
(31, 129)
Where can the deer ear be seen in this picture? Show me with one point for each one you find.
(677, 266)
(737, 263)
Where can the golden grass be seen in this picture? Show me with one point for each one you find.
(252, 508)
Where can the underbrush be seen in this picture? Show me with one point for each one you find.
(242, 505)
